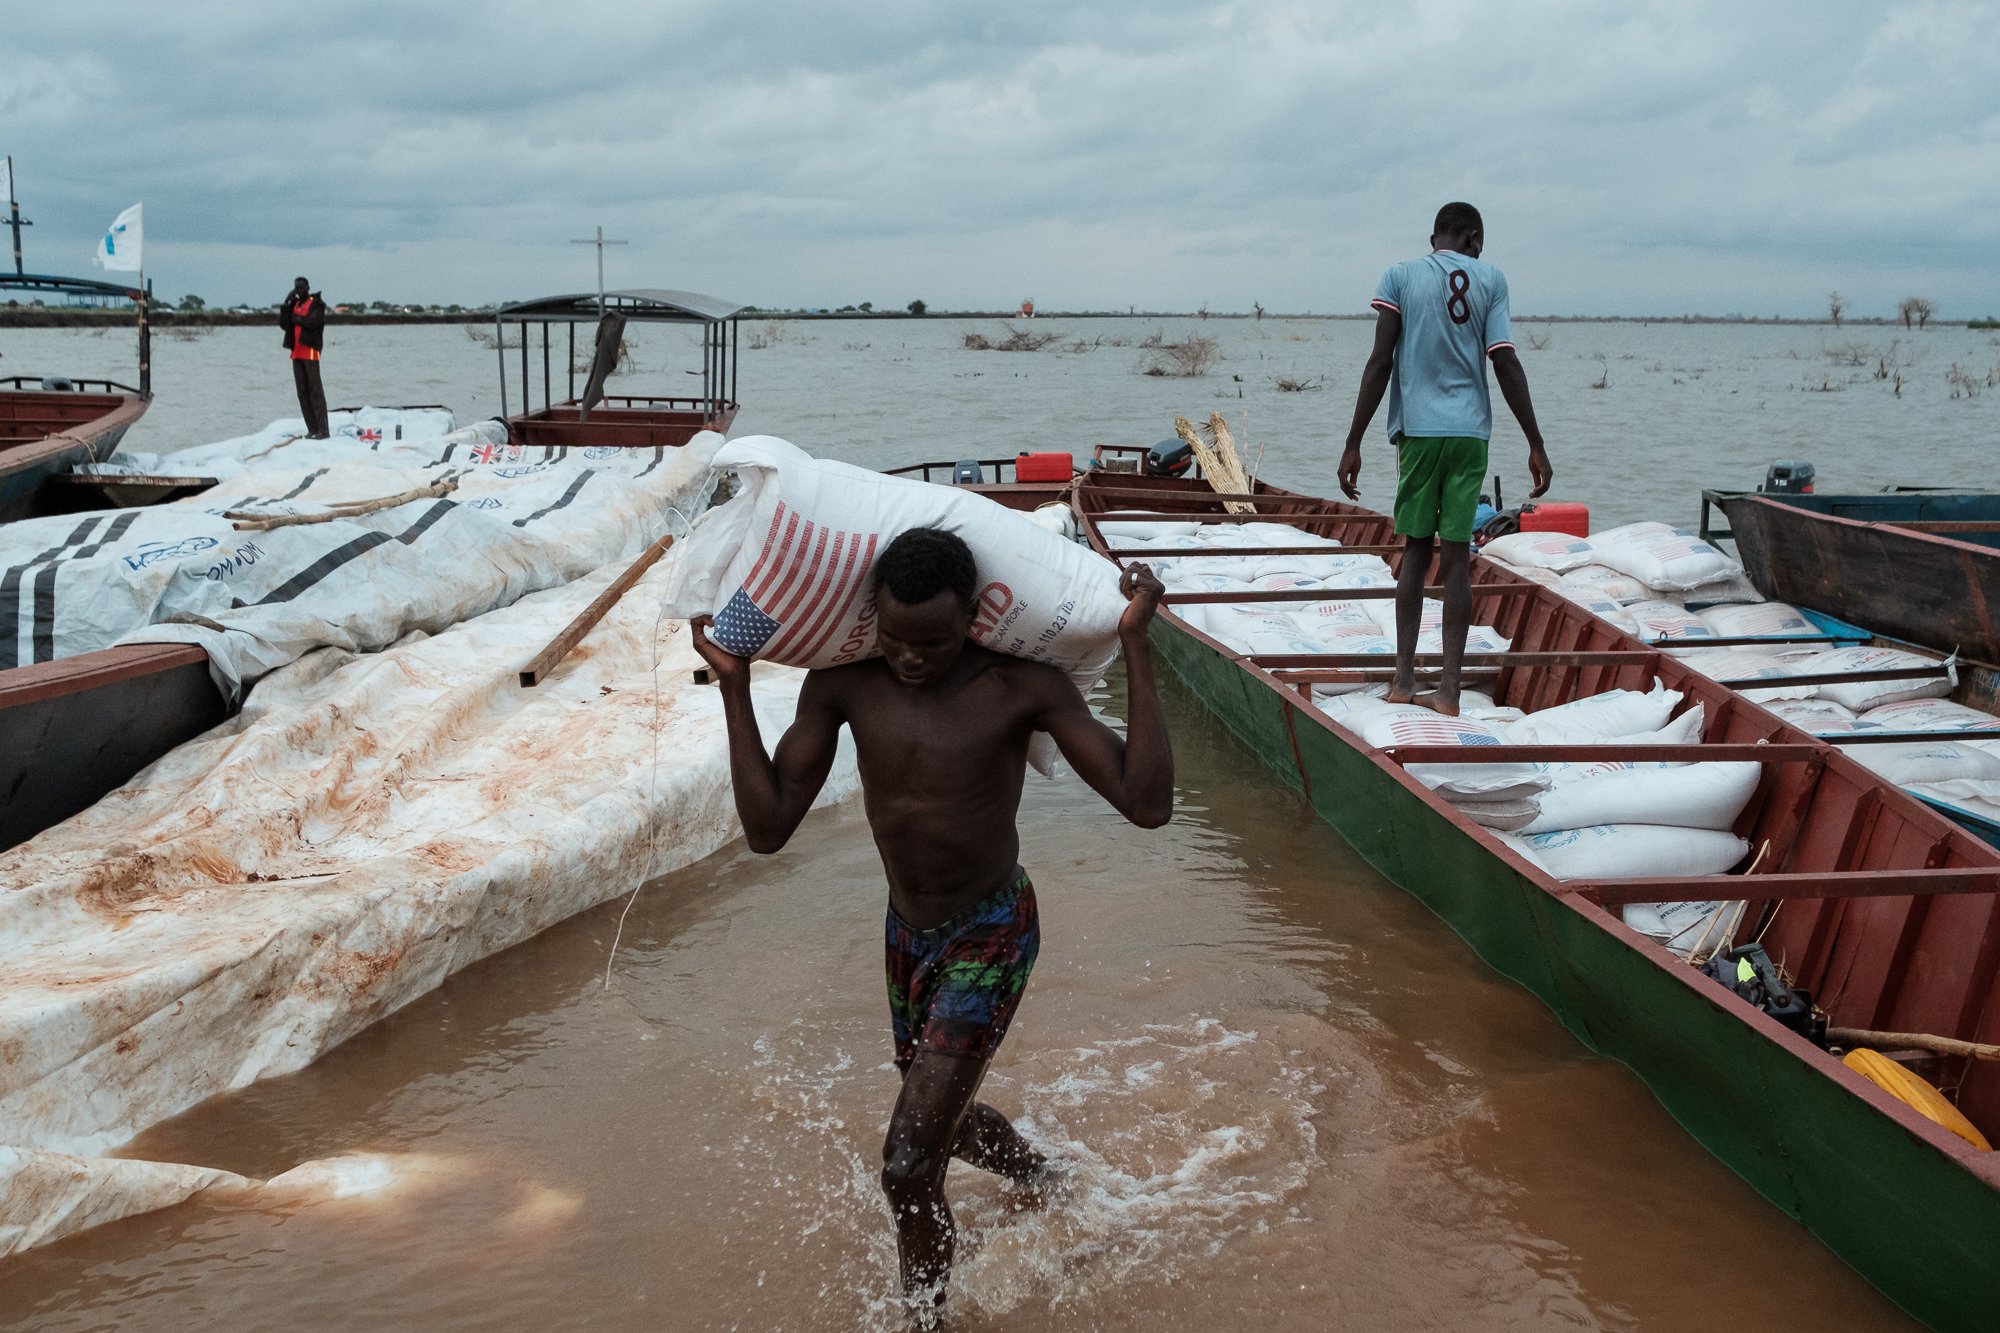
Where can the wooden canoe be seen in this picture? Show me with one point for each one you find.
(1889, 913)
(1915, 565)
(43, 433)
(75, 730)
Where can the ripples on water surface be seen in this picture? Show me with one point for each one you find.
(1683, 405)
(1292, 1098)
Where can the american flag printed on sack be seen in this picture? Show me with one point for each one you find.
(791, 604)
(1438, 731)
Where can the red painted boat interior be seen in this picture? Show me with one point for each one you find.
(27, 417)
(623, 422)
(1887, 911)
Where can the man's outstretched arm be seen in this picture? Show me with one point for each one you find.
(1514, 388)
(773, 792)
(1374, 383)
(1135, 773)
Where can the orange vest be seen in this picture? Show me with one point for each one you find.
(301, 352)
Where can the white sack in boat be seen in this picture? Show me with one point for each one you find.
(1383, 724)
(1604, 608)
(784, 568)
(1605, 582)
(1701, 796)
(1929, 715)
(1430, 627)
(1662, 620)
(365, 827)
(1761, 619)
(369, 436)
(258, 599)
(1864, 696)
(1596, 718)
(1685, 927)
(1933, 761)
(1558, 551)
(1631, 851)
(1737, 664)
(1821, 717)
(1662, 556)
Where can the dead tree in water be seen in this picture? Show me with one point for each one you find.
(1919, 308)
(1835, 303)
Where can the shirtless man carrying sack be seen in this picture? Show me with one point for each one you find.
(941, 730)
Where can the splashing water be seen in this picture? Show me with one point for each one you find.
(1173, 1141)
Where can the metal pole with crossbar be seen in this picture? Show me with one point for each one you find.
(600, 243)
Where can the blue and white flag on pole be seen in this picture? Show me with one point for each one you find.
(122, 243)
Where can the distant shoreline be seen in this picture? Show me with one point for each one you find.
(29, 317)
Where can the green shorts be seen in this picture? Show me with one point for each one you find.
(1437, 485)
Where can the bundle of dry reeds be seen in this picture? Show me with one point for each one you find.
(1220, 462)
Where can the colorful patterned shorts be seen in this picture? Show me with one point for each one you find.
(954, 988)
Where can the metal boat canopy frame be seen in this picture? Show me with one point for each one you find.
(652, 305)
(139, 297)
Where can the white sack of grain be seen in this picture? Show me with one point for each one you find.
(1865, 695)
(1540, 550)
(1597, 717)
(1383, 724)
(1631, 851)
(1663, 557)
(1608, 582)
(1759, 620)
(1663, 621)
(784, 568)
(1700, 796)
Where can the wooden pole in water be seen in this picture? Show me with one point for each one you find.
(545, 661)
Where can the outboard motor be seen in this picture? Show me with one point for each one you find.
(967, 472)
(1169, 458)
(1789, 476)
(58, 384)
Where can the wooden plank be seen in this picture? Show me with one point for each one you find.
(1479, 590)
(545, 661)
(1181, 516)
(1835, 677)
(87, 671)
(1845, 738)
(1585, 753)
(1276, 662)
(1247, 552)
(1941, 525)
(1811, 884)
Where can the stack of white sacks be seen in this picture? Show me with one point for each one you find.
(1275, 628)
(1666, 585)
(1602, 820)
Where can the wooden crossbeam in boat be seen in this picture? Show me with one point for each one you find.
(1248, 552)
(1794, 884)
(1479, 590)
(1174, 516)
(1198, 496)
(1297, 666)
(1910, 737)
(1835, 677)
(1756, 641)
(1587, 753)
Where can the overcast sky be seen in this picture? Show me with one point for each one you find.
(1629, 158)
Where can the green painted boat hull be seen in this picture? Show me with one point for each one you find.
(1909, 1218)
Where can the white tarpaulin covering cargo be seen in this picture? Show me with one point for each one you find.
(400, 436)
(257, 599)
(365, 827)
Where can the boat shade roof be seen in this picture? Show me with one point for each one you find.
(656, 304)
(43, 282)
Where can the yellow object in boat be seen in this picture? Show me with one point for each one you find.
(1907, 1088)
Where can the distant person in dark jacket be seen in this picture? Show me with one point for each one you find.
(303, 318)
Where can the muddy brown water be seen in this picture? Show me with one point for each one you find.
(1292, 1098)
